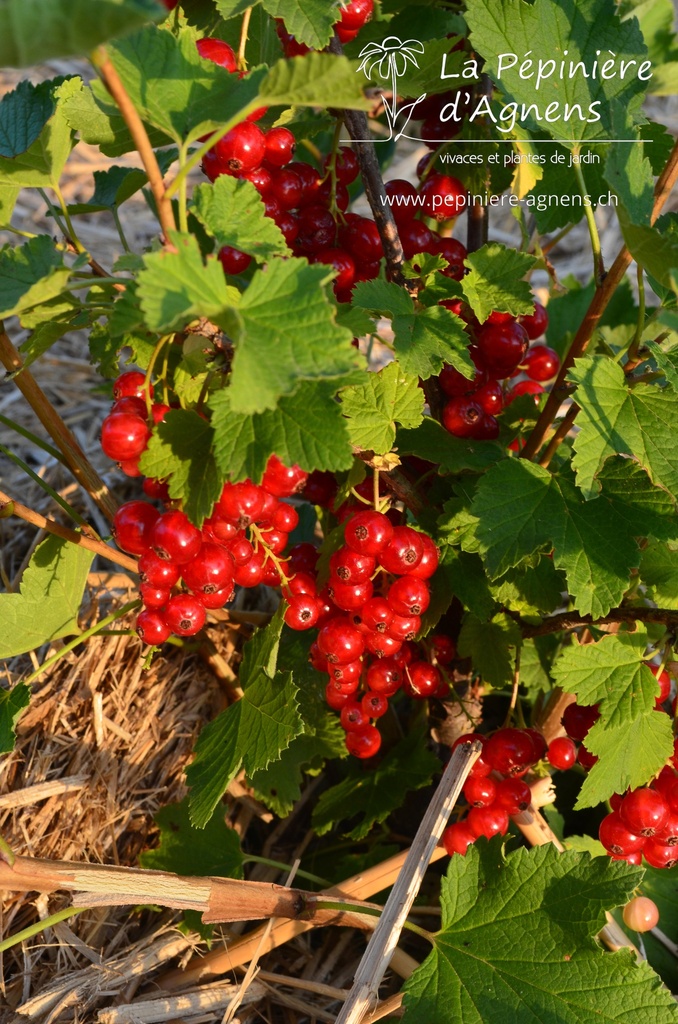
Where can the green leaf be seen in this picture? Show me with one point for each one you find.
(373, 408)
(49, 597)
(655, 249)
(315, 80)
(174, 89)
(630, 739)
(306, 428)
(517, 944)
(523, 509)
(659, 573)
(187, 850)
(667, 363)
(31, 274)
(629, 756)
(612, 674)
(176, 287)
(511, 27)
(660, 886)
(310, 22)
(491, 646)
(495, 281)
(180, 451)
(12, 703)
(628, 172)
(618, 419)
(233, 212)
(91, 112)
(531, 590)
(252, 732)
(373, 795)
(37, 31)
(35, 137)
(456, 455)
(286, 334)
(111, 188)
(426, 338)
(536, 659)
(466, 580)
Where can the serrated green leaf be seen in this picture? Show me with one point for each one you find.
(659, 573)
(592, 27)
(42, 339)
(174, 89)
(456, 455)
(468, 582)
(91, 112)
(655, 249)
(34, 154)
(488, 966)
(111, 188)
(536, 659)
(47, 604)
(618, 419)
(314, 80)
(373, 795)
(523, 509)
(612, 674)
(495, 281)
(37, 31)
(233, 212)
(425, 339)
(373, 408)
(491, 646)
(186, 850)
(628, 172)
(176, 287)
(286, 334)
(310, 22)
(630, 755)
(12, 703)
(252, 732)
(306, 428)
(180, 451)
(531, 590)
(667, 363)
(30, 274)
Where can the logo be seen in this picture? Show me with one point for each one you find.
(389, 60)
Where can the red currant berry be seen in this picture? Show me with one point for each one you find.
(403, 552)
(132, 526)
(151, 628)
(302, 612)
(283, 481)
(365, 743)
(535, 323)
(340, 641)
(342, 263)
(509, 751)
(350, 597)
(641, 914)
(502, 348)
(402, 199)
(541, 363)
(368, 533)
(444, 648)
(218, 52)
(664, 681)
(562, 753)
(385, 677)
(124, 436)
(408, 596)
(404, 627)
(303, 558)
(382, 645)
(218, 599)
(317, 229)
(184, 615)
(374, 705)
(457, 838)
(488, 821)
(658, 855)
(211, 570)
(363, 240)
(454, 384)
(644, 811)
(428, 562)
(462, 415)
(280, 146)
(455, 253)
(443, 197)
(352, 567)
(513, 795)
(481, 766)
(480, 791)
(353, 718)
(421, 679)
(346, 676)
(233, 260)
(616, 837)
(490, 398)
(132, 383)
(130, 404)
(416, 238)
(375, 615)
(585, 758)
(287, 189)
(175, 538)
(153, 597)
(157, 572)
(242, 149)
(578, 718)
(335, 698)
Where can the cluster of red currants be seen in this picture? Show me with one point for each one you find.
(644, 821)
(368, 615)
(241, 543)
(495, 789)
(499, 350)
(352, 17)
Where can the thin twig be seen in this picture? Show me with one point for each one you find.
(77, 461)
(385, 936)
(97, 546)
(111, 79)
(570, 620)
(604, 292)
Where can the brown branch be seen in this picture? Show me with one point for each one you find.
(75, 458)
(11, 507)
(570, 620)
(601, 298)
(113, 83)
(370, 172)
